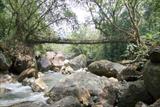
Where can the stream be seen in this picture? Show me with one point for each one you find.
(13, 93)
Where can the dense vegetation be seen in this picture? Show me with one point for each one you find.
(134, 21)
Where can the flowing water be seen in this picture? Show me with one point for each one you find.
(13, 93)
(17, 93)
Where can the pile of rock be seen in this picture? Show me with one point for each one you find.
(78, 62)
(107, 84)
(83, 89)
(51, 60)
(57, 62)
(112, 69)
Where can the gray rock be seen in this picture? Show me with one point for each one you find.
(28, 73)
(44, 64)
(152, 78)
(58, 60)
(50, 55)
(78, 62)
(51, 61)
(134, 92)
(68, 101)
(39, 85)
(88, 88)
(154, 54)
(106, 68)
(130, 74)
(4, 62)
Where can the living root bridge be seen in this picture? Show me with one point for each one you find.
(71, 41)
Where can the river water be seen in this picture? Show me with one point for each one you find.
(13, 93)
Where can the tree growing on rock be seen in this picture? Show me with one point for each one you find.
(28, 20)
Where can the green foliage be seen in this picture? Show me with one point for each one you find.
(1, 6)
(124, 18)
(130, 51)
(153, 38)
(151, 18)
(4, 19)
(20, 19)
(31, 19)
(92, 51)
(133, 51)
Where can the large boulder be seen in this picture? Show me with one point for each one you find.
(152, 78)
(39, 85)
(4, 62)
(50, 55)
(78, 62)
(51, 61)
(106, 68)
(44, 64)
(154, 54)
(134, 92)
(89, 89)
(30, 72)
(58, 60)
